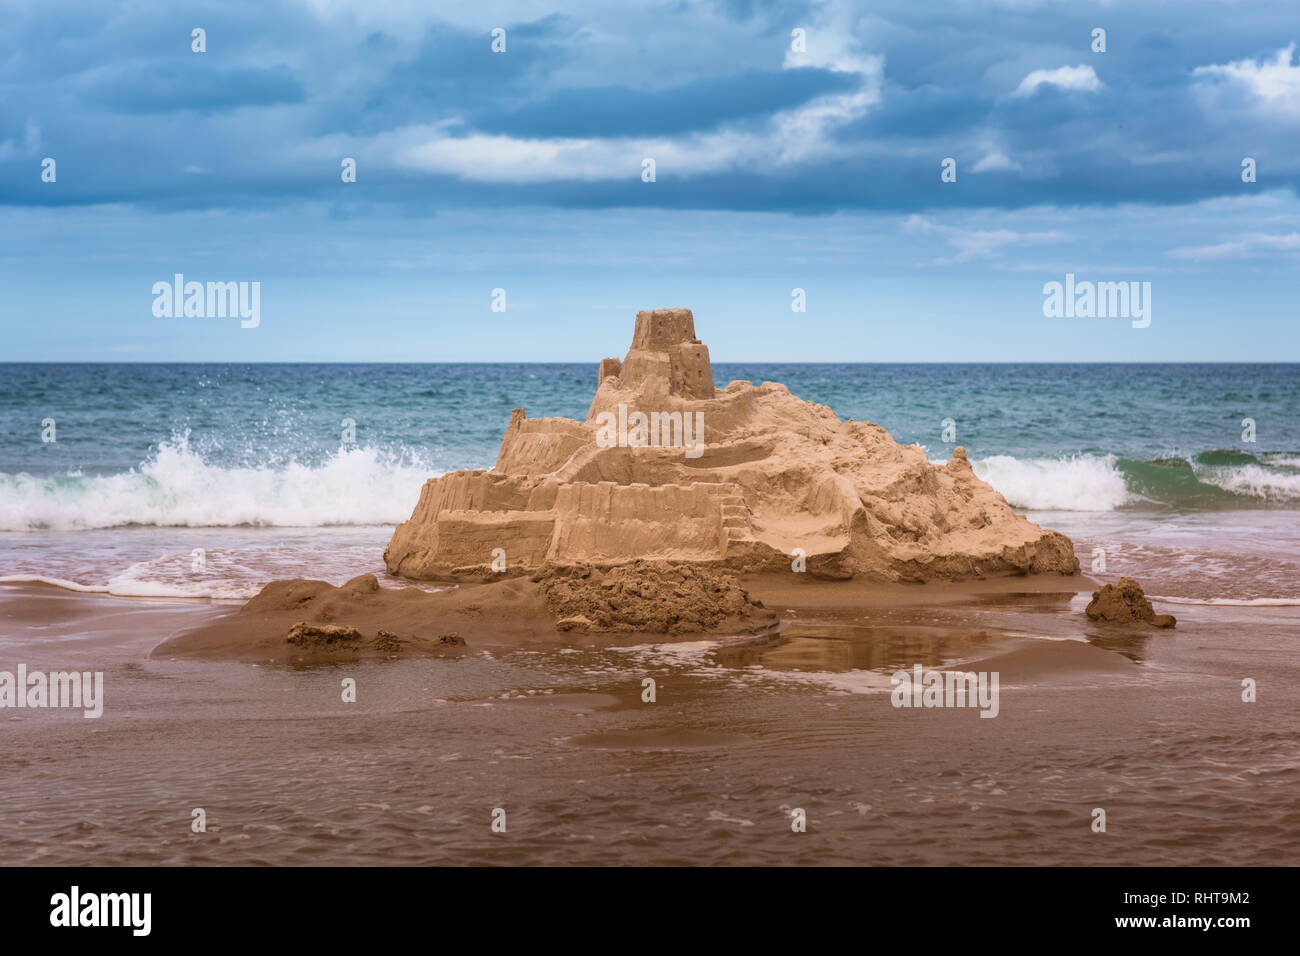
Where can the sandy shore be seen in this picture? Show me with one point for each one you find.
(555, 729)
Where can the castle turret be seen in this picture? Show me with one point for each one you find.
(665, 357)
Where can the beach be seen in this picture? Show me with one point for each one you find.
(1147, 724)
(403, 749)
(543, 449)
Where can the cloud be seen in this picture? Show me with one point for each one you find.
(995, 162)
(1082, 78)
(169, 87)
(785, 138)
(11, 148)
(1251, 246)
(492, 158)
(974, 244)
(606, 111)
(1275, 83)
(711, 89)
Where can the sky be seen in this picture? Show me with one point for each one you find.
(796, 146)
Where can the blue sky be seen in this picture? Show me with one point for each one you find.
(776, 168)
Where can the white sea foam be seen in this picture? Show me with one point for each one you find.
(1228, 602)
(855, 681)
(1280, 459)
(53, 582)
(171, 577)
(1082, 483)
(134, 582)
(1096, 482)
(178, 488)
(1253, 480)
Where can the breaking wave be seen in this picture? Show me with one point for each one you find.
(178, 488)
(1212, 480)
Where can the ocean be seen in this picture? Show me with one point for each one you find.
(259, 465)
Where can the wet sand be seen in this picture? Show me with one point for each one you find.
(1147, 724)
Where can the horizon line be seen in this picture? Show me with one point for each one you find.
(597, 362)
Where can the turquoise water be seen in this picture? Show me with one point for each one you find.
(250, 462)
(140, 444)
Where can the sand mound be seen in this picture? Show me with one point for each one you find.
(648, 597)
(669, 468)
(1124, 603)
(301, 621)
(313, 622)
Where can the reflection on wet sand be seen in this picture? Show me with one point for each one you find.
(844, 647)
(1129, 641)
(1043, 601)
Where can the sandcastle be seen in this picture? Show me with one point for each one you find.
(769, 482)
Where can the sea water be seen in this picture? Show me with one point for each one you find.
(113, 476)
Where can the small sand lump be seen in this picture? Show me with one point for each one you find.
(1124, 603)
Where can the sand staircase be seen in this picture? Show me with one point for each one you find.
(736, 519)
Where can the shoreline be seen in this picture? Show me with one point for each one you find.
(1146, 723)
(514, 613)
(499, 615)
